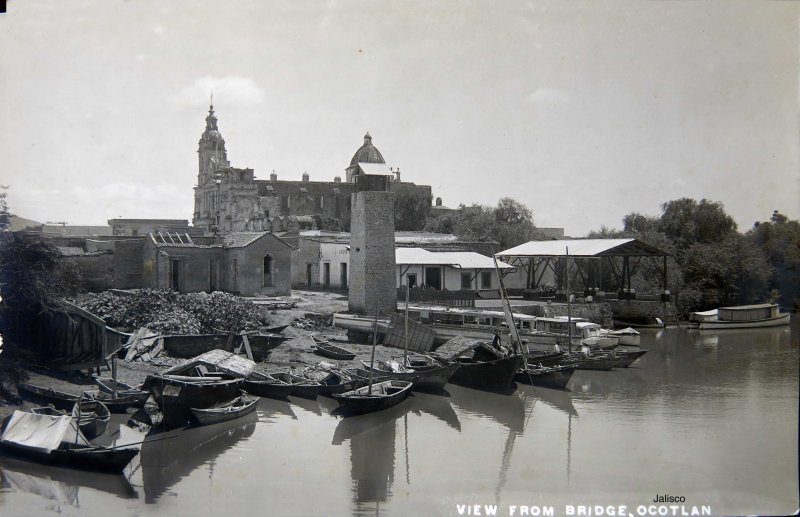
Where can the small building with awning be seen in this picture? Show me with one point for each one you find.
(594, 265)
(447, 270)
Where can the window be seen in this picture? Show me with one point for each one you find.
(411, 280)
(466, 281)
(321, 202)
(486, 280)
(268, 271)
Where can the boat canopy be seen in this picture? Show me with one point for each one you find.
(42, 432)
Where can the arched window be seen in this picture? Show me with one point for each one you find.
(268, 271)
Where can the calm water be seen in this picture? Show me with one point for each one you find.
(711, 417)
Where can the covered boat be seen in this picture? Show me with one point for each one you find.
(740, 317)
(57, 440)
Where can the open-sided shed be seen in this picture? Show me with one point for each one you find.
(590, 259)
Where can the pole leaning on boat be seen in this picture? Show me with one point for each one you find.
(569, 303)
(374, 344)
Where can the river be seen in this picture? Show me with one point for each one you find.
(710, 419)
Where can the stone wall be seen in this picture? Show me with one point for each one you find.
(97, 270)
(372, 255)
(128, 263)
(637, 311)
(594, 312)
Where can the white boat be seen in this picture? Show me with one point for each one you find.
(359, 323)
(450, 322)
(740, 317)
(551, 331)
(628, 336)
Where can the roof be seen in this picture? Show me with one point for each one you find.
(367, 153)
(375, 168)
(583, 248)
(457, 259)
(241, 239)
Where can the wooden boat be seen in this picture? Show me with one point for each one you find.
(277, 329)
(492, 375)
(360, 324)
(628, 336)
(176, 395)
(58, 399)
(121, 389)
(48, 410)
(192, 345)
(236, 408)
(741, 317)
(332, 351)
(627, 358)
(546, 376)
(120, 403)
(598, 362)
(332, 380)
(301, 386)
(545, 358)
(57, 440)
(262, 385)
(92, 417)
(429, 378)
(556, 331)
(473, 323)
(378, 396)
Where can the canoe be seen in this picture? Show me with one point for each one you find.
(56, 440)
(600, 362)
(333, 351)
(262, 385)
(493, 375)
(231, 410)
(376, 397)
(58, 399)
(627, 358)
(177, 395)
(301, 386)
(92, 417)
(546, 376)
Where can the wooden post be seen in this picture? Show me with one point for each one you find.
(374, 344)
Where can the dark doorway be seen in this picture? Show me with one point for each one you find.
(177, 275)
(343, 275)
(268, 271)
(433, 278)
(326, 274)
(308, 274)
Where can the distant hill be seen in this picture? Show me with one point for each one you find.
(20, 223)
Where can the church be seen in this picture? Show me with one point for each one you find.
(229, 199)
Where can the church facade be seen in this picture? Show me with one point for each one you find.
(230, 199)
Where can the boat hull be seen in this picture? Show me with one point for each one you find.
(175, 397)
(385, 394)
(625, 359)
(783, 319)
(239, 407)
(95, 459)
(496, 375)
(547, 377)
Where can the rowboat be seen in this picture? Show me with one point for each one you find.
(121, 389)
(120, 403)
(262, 385)
(236, 408)
(176, 395)
(627, 358)
(546, 376)
(57, 440)
(598, 362)
(301, 386)
(375, 397)
(58, 399)
(740, 317)
(92, 417)
(428, 378)
(332, 351)
(332, 380)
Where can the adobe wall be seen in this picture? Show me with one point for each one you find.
(372, 255)
(128, 264)
(248, 277)
(97, 270)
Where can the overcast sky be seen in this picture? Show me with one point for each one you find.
(582, 111)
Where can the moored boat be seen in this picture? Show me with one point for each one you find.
(492, 375)
(92, 417)
(176, 395)
(56, 398)
(373, 397)
(57, 440)
(740, 317)
(121, 389)
(330, 351)
(225, 411)
(546, 376)
(263, 385)
(430, 378)
(627, 358)
(301, 386)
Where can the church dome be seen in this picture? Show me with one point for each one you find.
(367, 153)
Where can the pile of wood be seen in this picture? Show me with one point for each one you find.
(143, 345)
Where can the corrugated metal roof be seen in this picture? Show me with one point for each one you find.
(375, 168)
(458, 259)
(582, 248)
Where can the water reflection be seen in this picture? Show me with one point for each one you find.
(557, 399)
(270, 410)
(508, 410)
(166, 461)
(438, 406)
(61, 485)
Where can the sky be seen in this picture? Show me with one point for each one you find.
(584, 112)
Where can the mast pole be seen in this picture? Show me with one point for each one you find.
(569, 303)
(374, 344)
(405, 331)
(512, 325)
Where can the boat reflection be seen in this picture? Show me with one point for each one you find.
(269, 410)
(352, 426)
(557, 399)
(438, 406)
(60, 484)
(507, 410)
(310, 405)
(166, 461)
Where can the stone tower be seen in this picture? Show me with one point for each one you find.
(372, 256)
(212, 157)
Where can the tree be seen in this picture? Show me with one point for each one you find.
(410, 210)
(779, 238)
